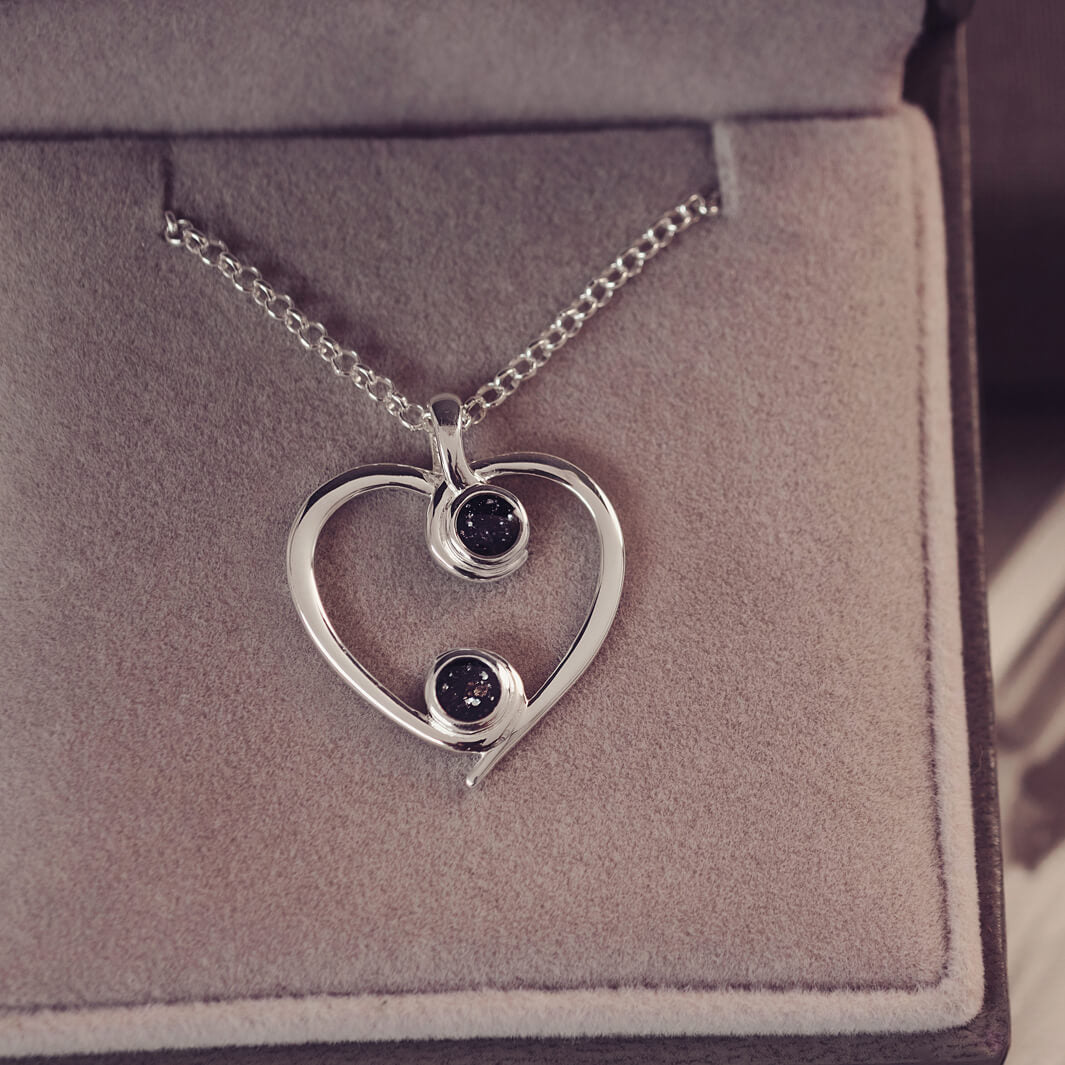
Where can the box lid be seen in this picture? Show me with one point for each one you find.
(187, 66)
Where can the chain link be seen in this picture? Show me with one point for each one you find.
(347, 363)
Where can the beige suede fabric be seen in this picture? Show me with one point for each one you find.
(752, 813)
(198, 66)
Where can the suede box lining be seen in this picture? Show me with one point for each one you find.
(752, 815)
(189, 66)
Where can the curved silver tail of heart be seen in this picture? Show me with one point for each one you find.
(475, 700)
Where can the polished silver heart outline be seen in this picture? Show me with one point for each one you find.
(323, 503)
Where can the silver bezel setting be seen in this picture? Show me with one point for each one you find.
(511, 698)
(446, 546)
(458, 484)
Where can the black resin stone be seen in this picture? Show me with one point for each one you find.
(467, 689)
(488, 525)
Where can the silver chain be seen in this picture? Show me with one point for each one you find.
(347, 363)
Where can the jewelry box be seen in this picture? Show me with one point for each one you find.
(762, 826)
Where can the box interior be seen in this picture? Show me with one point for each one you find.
(751, 815)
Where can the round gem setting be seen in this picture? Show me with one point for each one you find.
(488, 525)
(468, 690)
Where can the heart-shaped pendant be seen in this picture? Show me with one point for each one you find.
(475, 701)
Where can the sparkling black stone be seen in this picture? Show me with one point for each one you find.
(488, 525)
(468, 689)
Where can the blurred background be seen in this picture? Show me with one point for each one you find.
(1016, 62)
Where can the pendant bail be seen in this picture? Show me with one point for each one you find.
(449, 457)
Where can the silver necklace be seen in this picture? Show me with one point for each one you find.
(475, 701)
